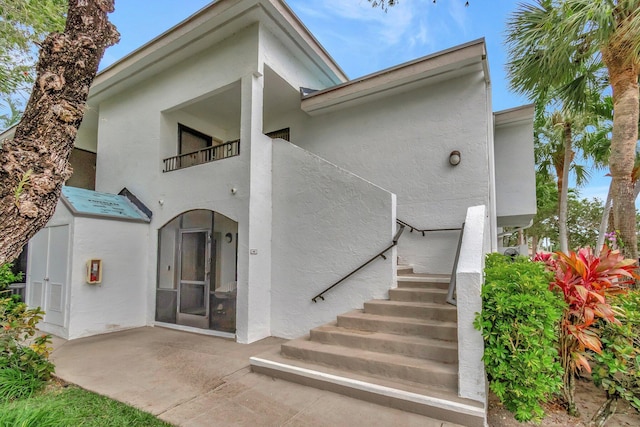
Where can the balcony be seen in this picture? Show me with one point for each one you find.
(205, 155)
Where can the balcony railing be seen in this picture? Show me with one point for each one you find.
(206, 155)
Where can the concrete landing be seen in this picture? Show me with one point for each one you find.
(196, 380)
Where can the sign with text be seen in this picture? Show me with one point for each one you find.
(93, 203)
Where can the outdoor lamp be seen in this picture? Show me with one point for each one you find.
(454, 158)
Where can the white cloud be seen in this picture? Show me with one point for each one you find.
(401, 24)
(458, 12)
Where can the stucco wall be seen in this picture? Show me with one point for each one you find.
(133, 135)
(119, 301)
(515, 174)
(469, 279)
(326, 222)
(138, 129)
(288, 66)
(402, 143)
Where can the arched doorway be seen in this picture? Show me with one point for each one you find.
(197, 271)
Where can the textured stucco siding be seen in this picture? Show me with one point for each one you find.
(515, 174)
(119, 301)
(326, 222)
(469, 279)
(402, 143)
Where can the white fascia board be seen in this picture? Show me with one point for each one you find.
(305, 39)
(438, 66)
(515, 115)
(210, 25)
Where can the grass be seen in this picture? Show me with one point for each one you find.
(59, 406)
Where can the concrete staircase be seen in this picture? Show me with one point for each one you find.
(400, 352)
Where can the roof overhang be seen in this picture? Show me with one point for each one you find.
(7, 133)
(514, 116)
(212, 24)
(440, 66)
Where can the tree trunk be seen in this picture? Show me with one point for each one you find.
(604, 223)
(564, 190)
(624, 80)
(570, 394)
(605, 412)
(35, 164)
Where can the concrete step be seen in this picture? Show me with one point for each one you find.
(407, 396)
(437, 281)
(406, 345)
(428, 328)
(392, 366)
(418, 295)
(420, 310)
(404, 269)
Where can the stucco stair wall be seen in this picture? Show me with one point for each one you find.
(391, 352)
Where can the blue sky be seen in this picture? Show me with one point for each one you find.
(361, 39)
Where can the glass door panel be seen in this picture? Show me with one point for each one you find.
(194, 278)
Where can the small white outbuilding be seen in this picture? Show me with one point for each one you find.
(87, 268)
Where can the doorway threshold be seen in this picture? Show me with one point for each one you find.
(193, 330)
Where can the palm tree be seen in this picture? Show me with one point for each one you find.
(570, 49)
(556, 137)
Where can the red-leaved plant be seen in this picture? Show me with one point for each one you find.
(585, 280)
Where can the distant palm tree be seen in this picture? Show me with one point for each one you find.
(556, 137)
(571, 49)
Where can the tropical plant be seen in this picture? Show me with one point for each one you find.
(617, 368)
(557, 137)
(585, 281)
(7, 277)
(23, 24)
(519, 322)
(583, 217)
(569, 49)
(23, 355)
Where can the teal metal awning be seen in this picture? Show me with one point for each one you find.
(83, 202)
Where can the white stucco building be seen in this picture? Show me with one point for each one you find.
(270, 175)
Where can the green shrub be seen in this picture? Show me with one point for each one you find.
(617, 368)
(519, 324)
(7, 277)
(23, 355)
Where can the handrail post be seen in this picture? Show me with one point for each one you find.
(452, 282)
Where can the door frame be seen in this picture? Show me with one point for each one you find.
(194, 320)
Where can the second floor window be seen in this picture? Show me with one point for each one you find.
(190, 140)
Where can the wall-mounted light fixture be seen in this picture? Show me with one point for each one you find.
(454, 158)
(229, 237)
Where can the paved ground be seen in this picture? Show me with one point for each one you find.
(195, 380)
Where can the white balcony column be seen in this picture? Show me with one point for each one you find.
(254, 299)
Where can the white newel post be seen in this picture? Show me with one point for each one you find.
(469, 279)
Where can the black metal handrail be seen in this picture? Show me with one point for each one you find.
(205, 155)
(423, 231)
(379, 254)
(452, 282)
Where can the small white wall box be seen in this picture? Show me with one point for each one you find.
(94, 271)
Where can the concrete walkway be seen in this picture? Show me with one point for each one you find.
(196, 380)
